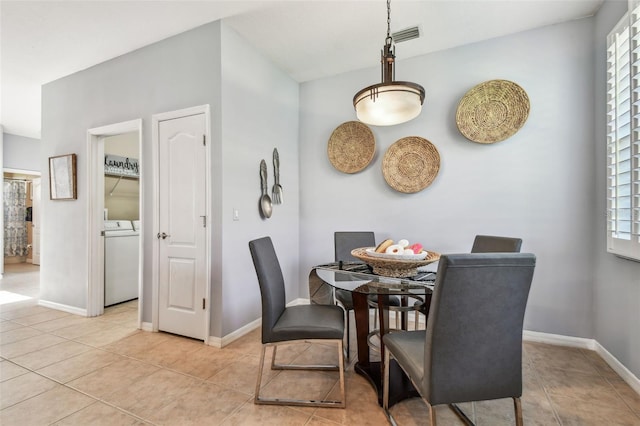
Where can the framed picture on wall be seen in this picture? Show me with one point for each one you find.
(62, 177)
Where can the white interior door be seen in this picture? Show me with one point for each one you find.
(182, 220)
(35, 220)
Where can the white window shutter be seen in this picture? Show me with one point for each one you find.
(623, 135)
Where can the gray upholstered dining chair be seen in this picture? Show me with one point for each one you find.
(482, 244)
(496, 244)
(302, 323)
(344, 242)
(472, 347)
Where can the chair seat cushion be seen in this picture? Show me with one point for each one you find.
(309, 322)
(408, 348)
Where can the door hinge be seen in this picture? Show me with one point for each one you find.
(204, 221)
(203, 303)
(204, 140)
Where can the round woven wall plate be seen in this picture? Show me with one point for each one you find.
(411, 164)
(351, 147)
(492, 111)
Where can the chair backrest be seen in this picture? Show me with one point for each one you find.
(473, 346)
(493, 244)
(344, 242)
(271, 283)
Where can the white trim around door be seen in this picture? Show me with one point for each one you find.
(95, 213)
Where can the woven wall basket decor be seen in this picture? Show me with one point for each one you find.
(411, 164)
(492, 111)
(351, 147)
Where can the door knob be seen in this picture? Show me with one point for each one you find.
(163, 235)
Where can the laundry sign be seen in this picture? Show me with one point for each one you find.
(121, 166)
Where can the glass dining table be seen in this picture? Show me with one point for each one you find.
(358, 278)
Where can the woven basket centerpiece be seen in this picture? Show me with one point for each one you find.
(397, 268)
(492, 111)
(351, 147)
(411, 164)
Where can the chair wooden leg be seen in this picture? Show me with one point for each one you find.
(517, 405)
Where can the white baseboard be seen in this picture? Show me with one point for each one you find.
(618, 367)
(582, 343)
(235, 335)
(558, 339)
(146, 326)
(64, 308)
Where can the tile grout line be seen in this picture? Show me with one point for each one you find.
(160, 367)
(606, 379)
(546, 393)
(637, 413)
(96, 399)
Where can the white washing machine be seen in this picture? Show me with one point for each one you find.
(121, 257)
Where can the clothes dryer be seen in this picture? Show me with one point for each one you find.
(121, 259)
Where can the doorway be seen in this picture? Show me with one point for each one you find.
(121, 218)
(21, 233)
(116, 193)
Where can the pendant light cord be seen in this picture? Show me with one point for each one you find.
(388, 39)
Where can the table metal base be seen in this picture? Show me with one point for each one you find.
(400, 387)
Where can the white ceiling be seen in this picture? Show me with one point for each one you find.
(42, 41)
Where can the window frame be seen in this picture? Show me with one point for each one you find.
(623, 135)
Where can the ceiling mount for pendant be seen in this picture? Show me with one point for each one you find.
(390, 102)
(406, 34)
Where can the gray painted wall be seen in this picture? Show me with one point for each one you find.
(537, 185)
(178, 72)
(259, 113)
(616, 282)
(21, 153)
(2, 195)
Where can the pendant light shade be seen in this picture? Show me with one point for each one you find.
(390, 102)
(386, 104)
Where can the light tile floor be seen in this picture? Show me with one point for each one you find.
(58, 368)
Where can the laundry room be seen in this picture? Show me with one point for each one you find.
(121, 218)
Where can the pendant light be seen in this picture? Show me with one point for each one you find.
(390, 102)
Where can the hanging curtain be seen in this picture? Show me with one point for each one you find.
(15, 227)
